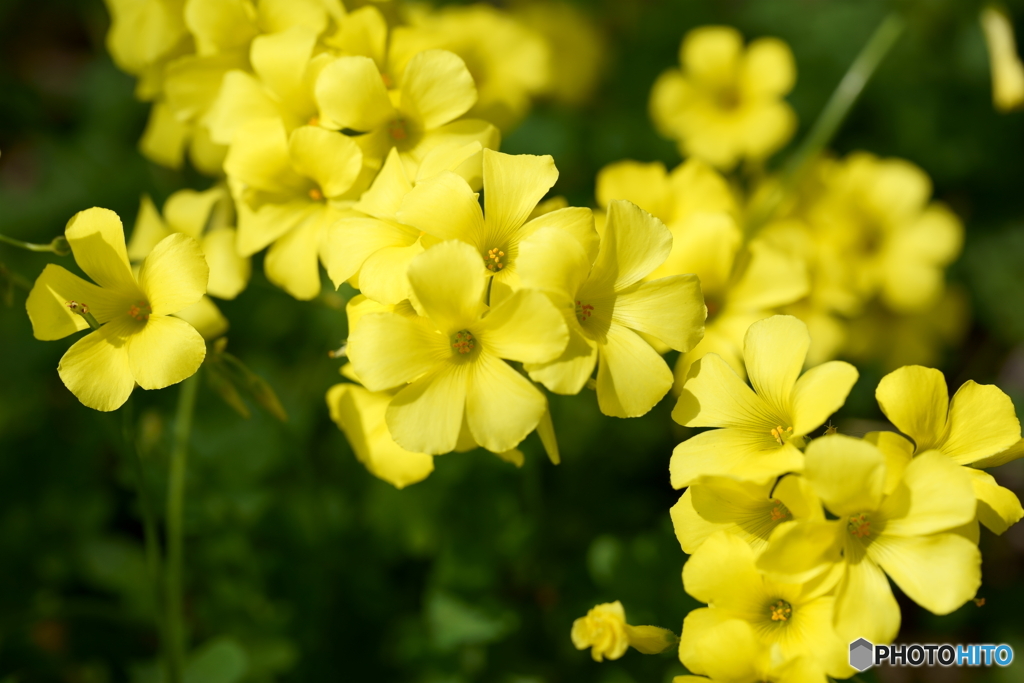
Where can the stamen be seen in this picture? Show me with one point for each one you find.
(859, 525)
(83, 310)
(140, 310)
(493, 260)
(316, 195)
(583, 311)
(463, 342)
(780, 511)
(398, 129)
(780, 434)
(313, 121)
(781, 611)
(830, 429)
(388, 83)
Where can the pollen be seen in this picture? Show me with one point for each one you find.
(388, 83)
(493, 260)
(859, 525)
(780, 511)
(398, 129)
(316, 194)
(781, 611)
(463, 342)
(583, 311)
(76, 307)
(140, 310)
(313, 121)
(781, 434)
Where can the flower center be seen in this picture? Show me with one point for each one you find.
(388, 83)
(398, 129)
(493, 260)
(463, 342)
(583, 311)
(316, 194)
(140, 310)
(781, 434)
(781, 611)
(780, 511)
(313, 121)
(728, 98)
(859, 525)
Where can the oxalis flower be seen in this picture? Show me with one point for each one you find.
(763, 428)
(137, 341)
(451, 356)
(605, 631)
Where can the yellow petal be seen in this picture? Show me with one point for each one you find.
(719, 503)
(242, 98)
(513, 184)
(448, 283)
(351, 94)
(436, 88)
(257, 229)
(715, 396)
(722, 572)
(631, 376)
(704, 244)
(768, 127)
(466, 160)
(774, 350)
(293, 262)
(691, 529)
(1007, 70)
(360, 414)
(229, 272)
(383, 275)
(819, 392)
(525, 327)
(174, 275)
(634, 243)
(772, 278)
(939, 572)
(148, 231)
(426, 415)
(998, 507)
(206, 318)
(712, 54)
(280, 15)
(803, 550)
(934, 495)
(1012, 453)
(865, 605)
(982, 423)
(446, 208)
(739, 453)
(47, 303)
(458, 134)
(97, 241)
(650, 640)
(164, 351)
(644, 184)
(502, 406)
(331, 159)
(280, 61)
(768, 67)
(388, 349)
(364, 32)
(188, 211)
(847, 473)
(898, 452)
(916, 400)
(575, 220)
(165, 136)
(259, 158)
(728, 649)
(220, 25)
(568, 373)
(95, 369)
(553, 261)
(670, 309)
(384, 198)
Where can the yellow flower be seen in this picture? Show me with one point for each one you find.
(1007, 70)
(143, 35)
(734, 653)
(448, 362)
(726, 103)
(795, 619)
(509, 62)
(912, 527)
(747, 510)
(138, 340)
(606, 305)
(760, 428)
(432, 91)
(445, 207)
(604, 629)
(288, 190)
(973, 429)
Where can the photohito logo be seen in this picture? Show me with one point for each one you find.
(864, 655)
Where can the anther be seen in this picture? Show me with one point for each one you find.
(463, 342)
(397, 129)
(780, 511)
(781, 611)
(83, 310)
(780, 434)
(583, 311)
(140, 310)
(316, 195)
(859, 525)
(493, 260)
(313, 121)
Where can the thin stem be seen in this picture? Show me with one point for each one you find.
(833, 115)
(175, 550)
(16, 278)
(58, 246)
(148, 519)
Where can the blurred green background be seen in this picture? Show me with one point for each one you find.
(303, 567)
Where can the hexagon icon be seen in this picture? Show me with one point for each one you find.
(862, 654)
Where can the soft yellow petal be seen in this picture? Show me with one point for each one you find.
(739, 453)
(188, 211)
(865, 605)
(575, 220)
(206, 318)
(800, 551)
(97, 241)
(466, 160)
(257, 229)
(293, 262)
(219, 25)
(644, 184)
(1014, 452)
(280, 60)
(388, 349)
(998, 507)
(691, 529)
(354, 239)
(771, 278)
(898, 452)
(670, 309)
(742, 508)
(148, 231)
(513, 184)
(934, 495)
(819, 392)
(229, 272)
(426, 415)
(553, 261)
(722, 572)
(164, 351)
(96, 370)
(163, 141)
(351, 95)
(916, 400)
(774, 350)
(1005, 63)
(631, 376)
(259, 158)
(502, 406)
(706, 245)
(650, 640)
(568, 373)
(446, 208)
(715, 396)
(712, 54)
(174, 275)
(634, 243)
(768, 67)
(384, 198)
(768, 127)
(383, 276)
(360, 414)
(363, 32)
(331, 159)
(525, 327)
(448, 283)
(847, 473)
(436, 88)
(982, 422)
(47, 303)
(242, 98)
(939, 572)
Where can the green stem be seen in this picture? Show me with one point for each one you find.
(833, 115)
(16, 278)
(148, 520)
(58, 246)
(175, 550)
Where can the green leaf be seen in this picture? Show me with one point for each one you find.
(221, 660)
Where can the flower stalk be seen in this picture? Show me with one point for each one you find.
(58, 246)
